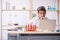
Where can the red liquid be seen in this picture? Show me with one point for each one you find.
(30, 27)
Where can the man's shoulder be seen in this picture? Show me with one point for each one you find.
(35, 18)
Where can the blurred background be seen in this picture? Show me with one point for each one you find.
(19, 12)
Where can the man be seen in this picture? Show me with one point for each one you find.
(41, 16)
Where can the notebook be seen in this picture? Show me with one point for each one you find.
(48, 25)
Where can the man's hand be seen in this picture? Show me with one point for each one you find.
(42, 18)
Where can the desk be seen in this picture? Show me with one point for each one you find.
(18, 32)
(35, 35)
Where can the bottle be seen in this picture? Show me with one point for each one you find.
(57, 28)
(13, 7)
(48, 7)
(7, 6)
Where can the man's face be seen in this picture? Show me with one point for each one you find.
(41, 14)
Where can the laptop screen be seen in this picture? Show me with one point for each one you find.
(48, 25)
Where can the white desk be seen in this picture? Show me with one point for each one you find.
(18, 32)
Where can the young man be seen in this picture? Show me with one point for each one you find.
(41, 16)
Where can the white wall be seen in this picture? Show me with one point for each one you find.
(0, 25)
(20, 17)
(0, 19)
(4, 34)
(51, 15)
(59, 14)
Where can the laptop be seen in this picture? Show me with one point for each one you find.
(48, 25)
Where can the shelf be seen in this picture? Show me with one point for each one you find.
(7, 27)
(12, 26)
(53, 10)
(18, 32)
(15, 26)
(28, 10)
(15, 10)
(48, 10)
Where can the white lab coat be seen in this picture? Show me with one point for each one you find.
(35, 21)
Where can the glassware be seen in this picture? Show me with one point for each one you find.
(7, 6)
(31, 27)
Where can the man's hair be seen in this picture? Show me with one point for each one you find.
(41, 8)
